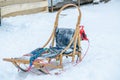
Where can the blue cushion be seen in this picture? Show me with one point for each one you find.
(63, 37)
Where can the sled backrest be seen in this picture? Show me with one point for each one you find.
(66, 42)
(63, 37)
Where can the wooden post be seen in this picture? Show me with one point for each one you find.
(0, 17)
(78, 2)
(51, 5)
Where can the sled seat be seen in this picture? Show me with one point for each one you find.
(63, 37)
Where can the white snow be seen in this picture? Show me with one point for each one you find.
(22, 34)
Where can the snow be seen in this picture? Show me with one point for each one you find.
(22, 34)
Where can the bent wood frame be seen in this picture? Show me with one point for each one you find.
(75, 39)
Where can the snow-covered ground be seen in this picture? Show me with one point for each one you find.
(22, 34)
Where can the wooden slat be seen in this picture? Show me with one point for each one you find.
(20, 61)
(36, 64)
(24, 8)
(29, 11)
(2, 0)
(11, 2)
(16, 60)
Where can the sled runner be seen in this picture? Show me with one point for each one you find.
(64, 42)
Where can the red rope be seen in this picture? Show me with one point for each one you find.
(83, 55)
(86, 50)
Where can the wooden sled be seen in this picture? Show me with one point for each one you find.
(73, 43)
